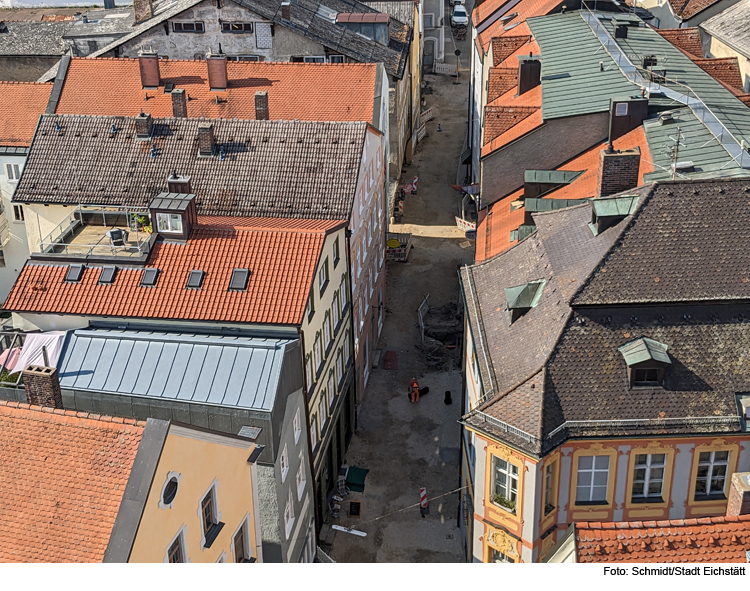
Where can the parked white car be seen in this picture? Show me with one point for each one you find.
(454, 2)
(459, 16)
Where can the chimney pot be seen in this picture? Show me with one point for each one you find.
(261, 105)
(148, 62)
(143, 9)
(217, 71)
(179, 102)
(529, 75)
(739, 494)
(143, 126)
(286, 11)
(205, 139)
(618, 171)
(42, 385)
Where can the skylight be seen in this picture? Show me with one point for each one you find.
(149, 277)
(107, 276)
(239, 280)
(195, 279)
(74, 274)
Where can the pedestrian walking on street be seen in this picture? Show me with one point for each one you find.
(414, 391)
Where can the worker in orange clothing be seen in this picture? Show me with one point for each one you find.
(414, 391)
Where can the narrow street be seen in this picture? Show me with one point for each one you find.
(406, 446)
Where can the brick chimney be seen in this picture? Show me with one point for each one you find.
(739, 494)
(148, 62)
(42, 386)
(205, 139)
(143, 9)
(179, 102)
(143, 124)
(618, 171)
(217, 71)
(261, 105)
(286, 11)
(529, 74)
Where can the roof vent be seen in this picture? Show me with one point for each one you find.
(649, 61)
(684, 166)
(621, 32)
(195, 279)
(107, 276)
(74, 274)
(149, 277)
(522, 298)
(666, 117)
(609, 211)
(239, 280)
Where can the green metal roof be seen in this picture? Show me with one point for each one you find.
(525, 296)
(572, 83)
(557, 177)
(536, 204)
(644, 349)
(615, 206)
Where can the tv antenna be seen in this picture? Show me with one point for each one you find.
(673, 150)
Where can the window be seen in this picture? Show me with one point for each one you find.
(314, 59)
(2, 259)
(149, 277)
(497, 556)
(196, 27)
(297, 427)
(646, 377)
(310, 308)
(169, 492)
(372, 285)
(301, 480)
(209, 512)
(318, 352)
(289, 515)
(336, 311)
(240, 545)
(429, 21)
(13, 172)
(313, 432)
(648, 477)
(18, 213)
(244, 58)
(195, 279)
(323, 277)
(361, 315)
(336, 253)
(712, 474)
(323, 412)
(343, 294)
(169, 222)
(238, 282)
(549, 473)
(621, 109)
(176, 552)
(336, 59)
(308, 371)
(236, 27)
(284, 463)
(327, 330)
(506, 484)
(339, 367)
(347, 352)
(593, 477)
(331, 388)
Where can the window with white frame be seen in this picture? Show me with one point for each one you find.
(284, 464)
(301, 480)
(429, 20)
(318, 351)
(339, 367)
(241, 543)
(297, 426)
(347, 352)
(343, 294)
(549, 472)
(648, 477)
(322, 412)
(308, 370)
(314, 59)
(336, 253)
(236, 27)
(336, 310)
(13, 172)
(313, 432)
(327, 330)
(372, 284)
(331, 388)
(505, 487)
(194, 27)
(310, 307)
(169, 222)
(336, 59)
(289, 515)
(18, 213)
(711, 477)
(361, 315)
(593, 479)
(209, 512)
(323, 277)
(497, 556)
(371, 175)
(176, 550)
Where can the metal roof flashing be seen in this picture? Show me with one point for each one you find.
(522, 298)
(644, 349)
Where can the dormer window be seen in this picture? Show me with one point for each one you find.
(169, 222)
(610, 211)
(523, 297)
(647, 361)
(174, 213)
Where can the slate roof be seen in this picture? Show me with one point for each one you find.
(281, 262)
(272, 169)
(64, 475)
(33, 38)
(21, 104)
(730, 27)
(309, 92)
(704, 540)
(230, 371)
(556, 372)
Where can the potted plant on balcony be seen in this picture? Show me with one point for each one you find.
(504, 502)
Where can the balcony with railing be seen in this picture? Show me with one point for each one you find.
(101, 233)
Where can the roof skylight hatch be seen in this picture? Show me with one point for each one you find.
(149, 277)
(238, 282)
(74, 274)
(195, 279)
(107, 276)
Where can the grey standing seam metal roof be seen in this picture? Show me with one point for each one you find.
(402, 10)
(572, 83)
(34, 38)
(226, 371)
(731, 27)
(281, 169)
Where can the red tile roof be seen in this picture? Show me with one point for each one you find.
(498, 114)
(504, 47)
(745, 98)
(709, 539)
(495, 225)
(63, 477)
(501, 80)
(724, 69)
(687, 40)
(499, 119)
(21, 103)
(282, 265)
(686, 9)
(309, 92)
